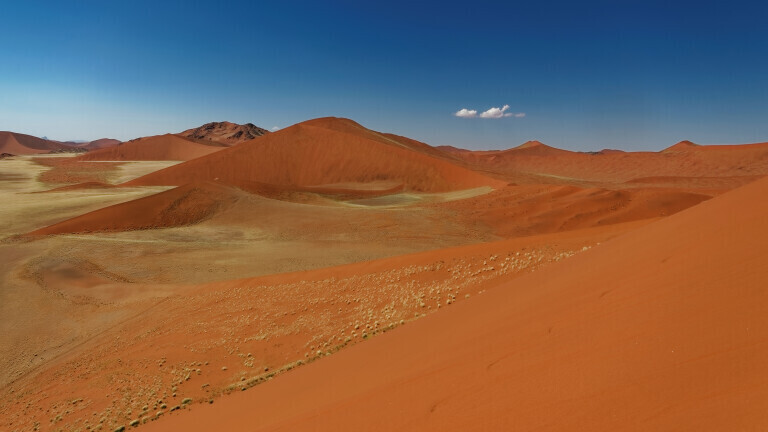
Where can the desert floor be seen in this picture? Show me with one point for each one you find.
(105, 323)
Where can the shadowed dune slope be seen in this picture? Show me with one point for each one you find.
(160, 147)
(184, 205)
(684, 159)
(663, 328)
(321, 152)
(21, 144)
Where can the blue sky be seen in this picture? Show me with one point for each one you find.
(588, 75)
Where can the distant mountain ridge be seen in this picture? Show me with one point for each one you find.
(225, 132)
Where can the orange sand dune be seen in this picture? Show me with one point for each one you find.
(663, 328)
(534, 162)
(203, 340)
(225, 132)
(321, 152)
(160, 147)
(184, 205)
(682, 146)
(21, 144)
(515, 211)
(535, 148)
(100, 143)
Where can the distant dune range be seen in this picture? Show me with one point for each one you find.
(211, 136)
(190, 144)
(535, 162)
(98, 144)
(20, 144)
(338, 158)
(324, 152)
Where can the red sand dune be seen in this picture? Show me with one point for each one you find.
(516, 211)
(663, 328)
(99, 144)
(184, 205)
(159, 147)
(420, 146)
(322, 152)
(225, 132)
(215, 324)
(682, 146)
(21, 144)
(536, 148)
(534, 162)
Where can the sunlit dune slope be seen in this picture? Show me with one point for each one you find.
(319, 152)
(663, 328)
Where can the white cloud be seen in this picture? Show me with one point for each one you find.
(465, 113)
(491, 113)
(496, 112)
(275, 128)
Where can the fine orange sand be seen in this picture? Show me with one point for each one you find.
(662, 328)
(426, 288)
(534, 162)
(211, 339)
